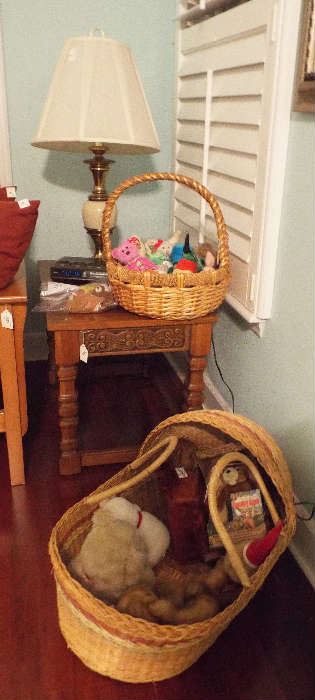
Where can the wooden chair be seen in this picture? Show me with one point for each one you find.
(13, 415)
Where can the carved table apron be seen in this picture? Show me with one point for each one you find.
(118, 332)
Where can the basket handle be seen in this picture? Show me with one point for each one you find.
(213, 487)
(168, 445)
(223, 249)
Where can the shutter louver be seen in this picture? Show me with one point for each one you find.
(226, 113)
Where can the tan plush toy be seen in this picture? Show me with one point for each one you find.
(234, 478)
(120, 550)
(143, 602)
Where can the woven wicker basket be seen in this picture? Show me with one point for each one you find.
(131, 649)
(175, 295)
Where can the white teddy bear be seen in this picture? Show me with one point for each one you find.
(121, 549)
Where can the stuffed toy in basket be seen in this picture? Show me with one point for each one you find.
(132, 649)
(175, 295)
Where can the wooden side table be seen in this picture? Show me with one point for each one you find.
(13, 415)
(118, 332)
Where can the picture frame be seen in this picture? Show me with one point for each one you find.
(305, 69)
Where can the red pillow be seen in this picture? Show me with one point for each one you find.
(17, 226)
(7, 192)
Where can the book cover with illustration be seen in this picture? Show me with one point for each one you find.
(245, 518)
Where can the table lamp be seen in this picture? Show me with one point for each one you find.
(96, 103)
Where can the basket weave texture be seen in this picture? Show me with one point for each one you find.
(135, 650)
(175, 295)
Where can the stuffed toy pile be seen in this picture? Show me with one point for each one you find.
(164, 256)
(121, 562)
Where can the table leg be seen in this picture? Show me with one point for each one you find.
(69, 462)
(198, 352)
(52, 371)
(12, 423)
(67, 362)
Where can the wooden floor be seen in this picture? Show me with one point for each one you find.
(267, 653)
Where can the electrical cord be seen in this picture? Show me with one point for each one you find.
(296, 503)
(221, 375)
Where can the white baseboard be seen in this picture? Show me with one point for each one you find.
(303, 544)
(212, 393)
(212, 389)
(302, 549)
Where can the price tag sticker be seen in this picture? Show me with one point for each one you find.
(7, 319)
(11, 192)
(181, 472)
(23, 203)
(84, 353)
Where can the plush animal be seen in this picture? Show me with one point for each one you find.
(235, 478)
(128, 254)
(153, 532)
(141, 264)
(175, 237)
(125, 252)
(138, 242)
(208, 254)
(136, 602)
(120, 550)
(165, 267)
(157, 246)
(141, 601)
(210, 260)
(184, 265)
(177, 253)
(202, 607)
(252, 553)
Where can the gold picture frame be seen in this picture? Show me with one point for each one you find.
(305, 70)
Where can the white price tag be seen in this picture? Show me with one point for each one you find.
(23, 203)
(7, 319)
(11, 192)
(181, 472)
(84, 353)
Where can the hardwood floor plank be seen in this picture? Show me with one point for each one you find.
(267, 653)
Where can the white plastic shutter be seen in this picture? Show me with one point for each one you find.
(234, 83)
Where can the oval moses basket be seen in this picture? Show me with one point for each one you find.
(132, 649)
(175, 295)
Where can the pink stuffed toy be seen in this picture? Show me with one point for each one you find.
(128, 254)
(125, 252)
(140, 263)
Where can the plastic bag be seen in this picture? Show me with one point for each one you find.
(86, 298)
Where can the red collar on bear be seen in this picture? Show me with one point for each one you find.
(139, 518)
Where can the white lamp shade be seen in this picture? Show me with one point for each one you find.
(96, 97)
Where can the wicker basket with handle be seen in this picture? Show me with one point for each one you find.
(174, 295)
(135, 650)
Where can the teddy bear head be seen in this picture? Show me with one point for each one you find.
(126, 252)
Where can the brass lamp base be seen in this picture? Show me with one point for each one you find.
(92, 211)
(98, 245)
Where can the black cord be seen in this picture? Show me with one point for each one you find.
(221, 375)
(305, 503)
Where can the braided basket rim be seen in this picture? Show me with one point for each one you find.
(118, 272)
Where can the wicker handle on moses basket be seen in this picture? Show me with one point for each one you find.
(223, 250)
(168, 444)
(213, 487)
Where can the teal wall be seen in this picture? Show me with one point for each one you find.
(272, 377)
(33, 35)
